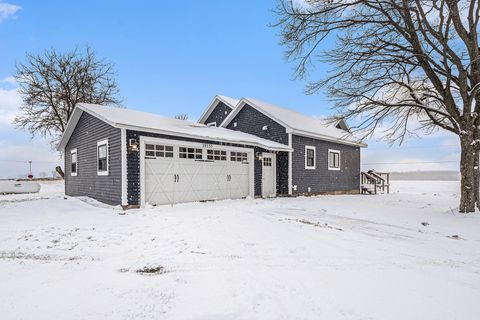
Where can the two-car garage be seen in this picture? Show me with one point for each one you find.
(174, 171)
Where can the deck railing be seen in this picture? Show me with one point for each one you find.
(372, 182)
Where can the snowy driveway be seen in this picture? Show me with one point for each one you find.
(327, 257)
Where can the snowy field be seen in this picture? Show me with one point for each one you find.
(407, 255)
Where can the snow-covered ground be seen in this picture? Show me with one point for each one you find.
(326, 257)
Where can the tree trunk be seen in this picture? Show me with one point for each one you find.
(469, 177)
(476, 184)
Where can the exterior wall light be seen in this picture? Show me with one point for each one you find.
(133, 145)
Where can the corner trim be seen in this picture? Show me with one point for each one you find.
(290, 165)
(123, 134)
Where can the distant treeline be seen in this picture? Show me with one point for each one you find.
(426, 175)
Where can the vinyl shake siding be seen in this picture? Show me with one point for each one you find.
(218, 114)
(87, 133)
(321, 179)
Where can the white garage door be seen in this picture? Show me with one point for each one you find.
(175, 173)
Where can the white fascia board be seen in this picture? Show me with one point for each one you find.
(185, 135)
(327, 138)
(240, 106)
(71, 124)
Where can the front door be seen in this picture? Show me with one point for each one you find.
(268, 175)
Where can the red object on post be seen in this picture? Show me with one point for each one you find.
(30, 176)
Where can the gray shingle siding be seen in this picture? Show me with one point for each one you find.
(219, 113)
(252, 121)
(133, 162)
(87, 133)
(321, 179)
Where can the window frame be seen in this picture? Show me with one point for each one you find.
(103, 172)
(74, 151)
(307, 167)
(339, 159)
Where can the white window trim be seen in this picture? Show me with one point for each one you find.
(339, 159)
(212, 124)
(103, 173)
(73, 174)
(314, 158)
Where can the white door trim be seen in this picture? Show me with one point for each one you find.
(204, 145)
(273, 156)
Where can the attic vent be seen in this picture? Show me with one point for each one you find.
(265, 128)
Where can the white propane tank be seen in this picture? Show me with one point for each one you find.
(12, 186)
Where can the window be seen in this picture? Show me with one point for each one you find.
(158, 151)
(73, 162)
(220, 155)
(238, 156)
(310, 158)
(190, 153)
(102, 158)
(333, 159)
(267, 162)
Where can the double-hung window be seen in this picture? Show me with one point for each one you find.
(310, 157)
(102, 158)
(73, 162)
(333, 159)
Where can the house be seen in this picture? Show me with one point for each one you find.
(238, 148)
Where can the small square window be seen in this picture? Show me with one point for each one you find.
(333, 159)
(267, 162)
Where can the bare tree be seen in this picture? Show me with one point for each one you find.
(399, 66)
(181, 116)
(52, 83)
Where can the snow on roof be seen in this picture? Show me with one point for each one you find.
(231, 102)
(228, 101)
(299, 123)
(149, 122)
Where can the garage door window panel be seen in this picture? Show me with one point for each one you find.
(238, 156)
(190, 153)
(217, 155)
(158, 151)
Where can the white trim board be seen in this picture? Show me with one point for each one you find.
(124, 166)
(289, 129)
(268, 145)
(213, 104)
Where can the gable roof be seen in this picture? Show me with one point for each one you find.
(149, 122)
(297, 123)
(228, 101)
